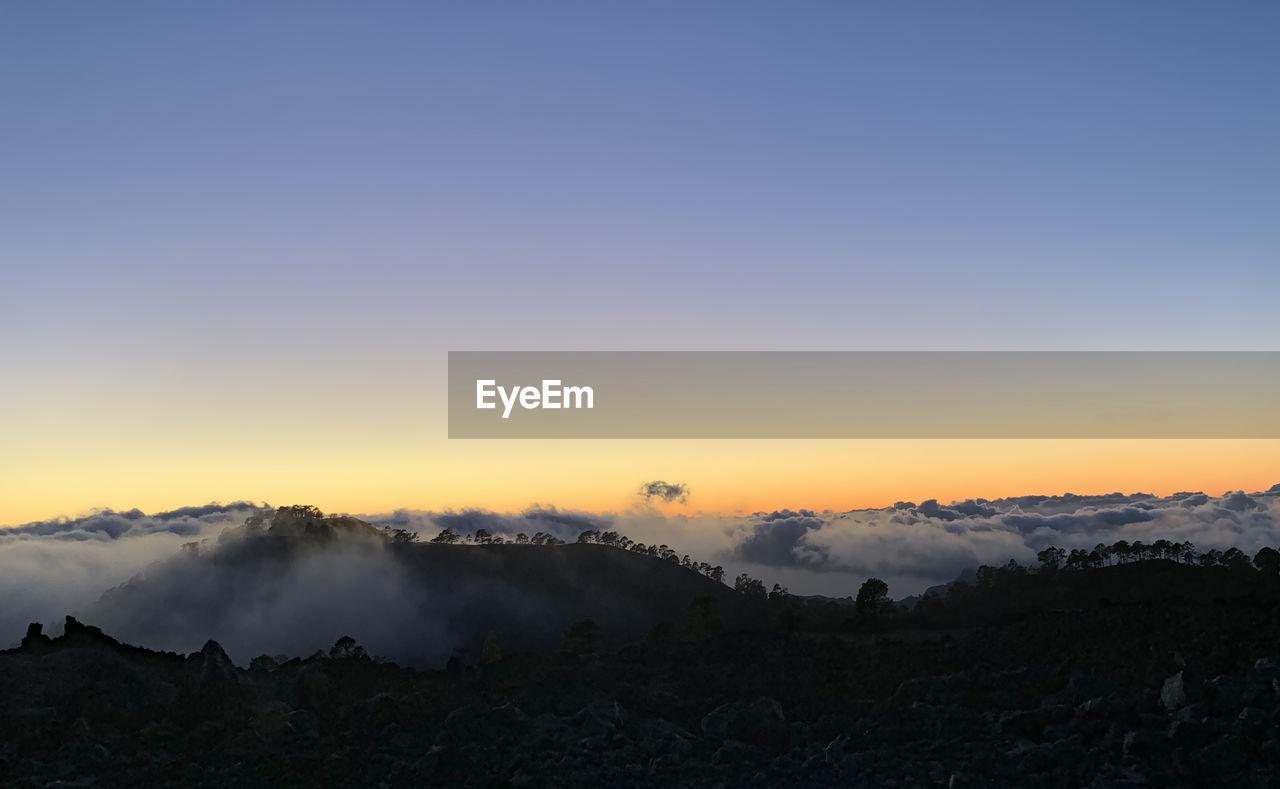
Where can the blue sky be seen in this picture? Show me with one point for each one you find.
(675, 174)
(245, 191)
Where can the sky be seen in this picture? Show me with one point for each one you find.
(239, 239)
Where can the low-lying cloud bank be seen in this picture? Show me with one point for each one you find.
(49, 569)
(52, 568)
(107, 525)
(931, 540)
(913, 545)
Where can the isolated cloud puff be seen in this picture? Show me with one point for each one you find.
(666, 492)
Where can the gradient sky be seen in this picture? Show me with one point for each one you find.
(237, 239)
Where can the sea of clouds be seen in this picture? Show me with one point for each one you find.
(52, 568)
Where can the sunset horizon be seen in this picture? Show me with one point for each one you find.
(567, 394)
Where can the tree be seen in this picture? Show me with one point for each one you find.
(346, 648)
(1235, 559)
(872, 597)
(1267, 560)
(1077, 559)
(751, 587)
(445, 537)
(1210, 557)
(397, 536)
(1162, 549)
(1051, 558)
(985, 576)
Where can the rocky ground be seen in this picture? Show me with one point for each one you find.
(1139, 695)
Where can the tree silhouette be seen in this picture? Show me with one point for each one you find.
(1235, 559)
(399, 536)
(445, 537)
(346, 648)
(751, 587)
(1267, 560)
(1051, 558)
(871, 599)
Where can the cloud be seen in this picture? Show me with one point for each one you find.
(290, 590)
(49, 569)
(929, 542)
(776, 538)
(253, 605)
(665, 492)
(111, 525)
(254, 601)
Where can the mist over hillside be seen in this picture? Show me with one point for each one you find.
(258, 583)
(911, 545)
(293, 581)
(1130, 664)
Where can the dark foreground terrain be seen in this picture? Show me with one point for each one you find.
(1166, 691)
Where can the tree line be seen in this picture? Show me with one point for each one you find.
(1124, 552)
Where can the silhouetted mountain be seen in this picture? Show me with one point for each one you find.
(609, 667)
(295, 581)
(1148, 692)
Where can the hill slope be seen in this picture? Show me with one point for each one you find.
(414, 603)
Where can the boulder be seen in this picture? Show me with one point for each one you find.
(734, 752)
(1188, 734)
(759, 722)
(599, 719)
(1142, 744)
(1174, 693)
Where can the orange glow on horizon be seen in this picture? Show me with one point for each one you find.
(725, 477)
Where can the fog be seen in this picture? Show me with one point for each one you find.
(131, 574)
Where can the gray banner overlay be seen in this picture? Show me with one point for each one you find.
(864, 394)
